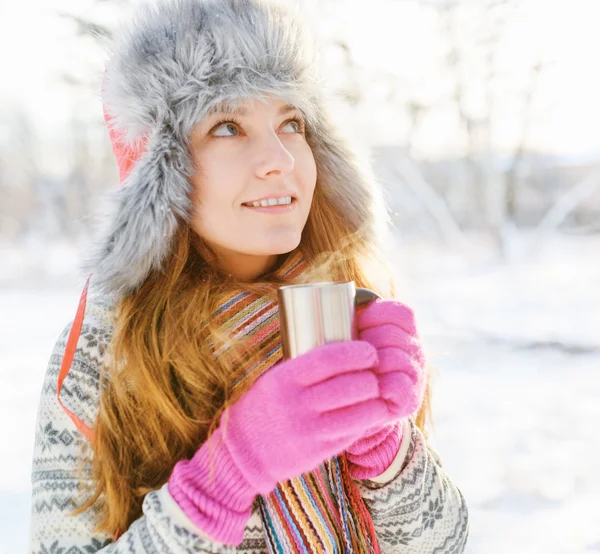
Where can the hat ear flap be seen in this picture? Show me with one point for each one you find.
(141, 217)
(345, 182)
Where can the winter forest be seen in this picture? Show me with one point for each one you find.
(480, 119)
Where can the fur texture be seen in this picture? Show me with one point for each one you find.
(173, 63)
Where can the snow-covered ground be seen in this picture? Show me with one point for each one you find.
(516, 354)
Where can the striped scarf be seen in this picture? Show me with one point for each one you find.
(318, 512)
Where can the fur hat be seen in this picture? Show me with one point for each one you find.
(169, 66)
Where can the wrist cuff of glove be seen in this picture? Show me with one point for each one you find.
(372, 455)
(212, 492)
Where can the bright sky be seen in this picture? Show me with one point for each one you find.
(406, 40)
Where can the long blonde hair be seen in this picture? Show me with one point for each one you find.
(164, 391)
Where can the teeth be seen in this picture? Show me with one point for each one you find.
(271, 202)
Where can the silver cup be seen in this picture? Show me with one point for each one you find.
(315, 314)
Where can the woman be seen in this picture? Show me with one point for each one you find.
(168, 421)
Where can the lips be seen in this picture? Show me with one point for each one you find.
(276, 209)
(294, 200)
(277, 195)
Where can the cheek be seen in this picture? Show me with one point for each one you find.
(216, 186)
(307, 170)
(214, 198)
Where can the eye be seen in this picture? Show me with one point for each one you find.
(296, 125)
(225, 129)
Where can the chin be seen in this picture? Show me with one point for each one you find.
(281, 245)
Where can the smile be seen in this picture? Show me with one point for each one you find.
(273, 208)
(266, 202)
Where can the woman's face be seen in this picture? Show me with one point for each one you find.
(254, 183)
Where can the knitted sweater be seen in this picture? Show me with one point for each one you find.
(415, 507)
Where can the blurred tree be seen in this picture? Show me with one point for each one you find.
(19, 174)
(481, 184)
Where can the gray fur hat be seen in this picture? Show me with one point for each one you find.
(172, 63)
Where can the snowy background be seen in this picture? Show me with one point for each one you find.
(516, 351)
(481, 120)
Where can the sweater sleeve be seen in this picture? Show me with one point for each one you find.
(418, 510)
(61, 450)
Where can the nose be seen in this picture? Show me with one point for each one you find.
(273, 157)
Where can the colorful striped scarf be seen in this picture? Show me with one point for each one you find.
(318, 512)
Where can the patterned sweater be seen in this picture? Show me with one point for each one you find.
(416, 509)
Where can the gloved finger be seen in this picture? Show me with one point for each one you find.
(353, 421)
(343, 390)
(389, 334)
(401, 393)
(396, 359)
(381, 312)
(331, 360)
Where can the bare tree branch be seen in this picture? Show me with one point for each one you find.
(410, 174)
(86, 27)
(565, 205)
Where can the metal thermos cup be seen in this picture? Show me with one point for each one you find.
(315, 314)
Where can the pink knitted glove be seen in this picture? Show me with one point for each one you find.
(299, 414)
(390, 327)
(372, 454)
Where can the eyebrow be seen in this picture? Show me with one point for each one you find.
(232, 109)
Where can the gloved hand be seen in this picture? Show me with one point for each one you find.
(295, 416)
(390, 327)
